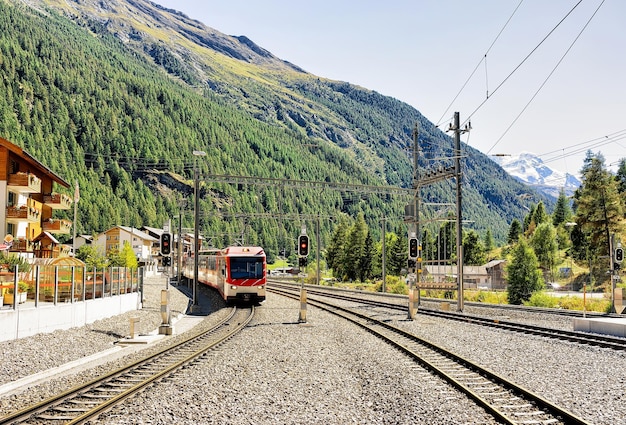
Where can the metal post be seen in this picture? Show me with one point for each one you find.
(384, 256)
(196, 233)
(179, 246)
(196, 236)
(317, 250)
(459, 211)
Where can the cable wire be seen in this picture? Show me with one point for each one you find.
(548, 77)
(523, 61)
(484, 58)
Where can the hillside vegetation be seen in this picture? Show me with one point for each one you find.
(118, 96)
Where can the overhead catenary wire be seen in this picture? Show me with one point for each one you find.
(483, 59)
(548, 77)
(523, 61)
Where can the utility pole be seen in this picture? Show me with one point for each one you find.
(416, 199)
(384, 257)
(317, 248)
(456, 127)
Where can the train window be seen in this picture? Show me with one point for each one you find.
(246, 268)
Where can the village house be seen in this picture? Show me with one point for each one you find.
(113, 240)
(28, 214)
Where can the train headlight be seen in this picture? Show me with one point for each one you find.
(233, 287)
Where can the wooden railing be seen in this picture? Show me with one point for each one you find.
(58, 201)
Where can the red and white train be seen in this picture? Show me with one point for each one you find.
(237, 272)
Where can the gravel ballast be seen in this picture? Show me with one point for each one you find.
(327, 371)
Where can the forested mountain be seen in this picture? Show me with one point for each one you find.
(118, 94)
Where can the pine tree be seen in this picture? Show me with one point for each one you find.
(562, 211)
(398, 255)
(545, 245)
(366, 260)
(515, 231)
(335, 250)
(473, 250)
(488, 241)
(540, 215)
(598, 208)
(354, 248)
(621, 183)
(523, 274)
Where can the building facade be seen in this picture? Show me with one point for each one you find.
(28, 214)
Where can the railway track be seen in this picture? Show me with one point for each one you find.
(604, 341)
(85, 402)
(507, 402)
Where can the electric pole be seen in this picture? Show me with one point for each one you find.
(456, 127)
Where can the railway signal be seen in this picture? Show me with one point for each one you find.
(166, 244)
(413, 248)
(303, 245)
(619, 255)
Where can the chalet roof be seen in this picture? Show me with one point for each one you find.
(139, 233)
(47, 235)
(494, 263)
(33, 162)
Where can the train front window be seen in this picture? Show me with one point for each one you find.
(246, 268)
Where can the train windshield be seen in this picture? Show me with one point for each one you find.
(246, 268)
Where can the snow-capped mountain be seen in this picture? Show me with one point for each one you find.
(530, 169)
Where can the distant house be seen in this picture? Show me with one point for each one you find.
(114, 238)
(82, 240)
(496, 271)
(490, 275)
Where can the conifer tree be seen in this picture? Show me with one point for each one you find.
(562, 211)
(365, 262)
(545, 245)
(515, 230)
(523, 274)
(353, 251)
(598, 208)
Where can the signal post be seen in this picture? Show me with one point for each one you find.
(415, 270)
(303, 253)
(165, 248)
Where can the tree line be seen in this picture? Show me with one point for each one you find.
(579, 228)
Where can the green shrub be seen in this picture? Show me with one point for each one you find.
(541, 299)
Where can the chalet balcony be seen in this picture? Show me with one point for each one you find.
(23, 213)
(21, 245)
(55, 225)
(58, 201)
(24, 183)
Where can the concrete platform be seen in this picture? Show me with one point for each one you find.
(604, 326)
(123, 347)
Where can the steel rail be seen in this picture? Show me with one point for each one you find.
(441, 365)
(604, 341)
(192, 347)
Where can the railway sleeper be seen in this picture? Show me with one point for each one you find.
(70, 410)
(55, 417)
(84, 402)
(516, 406)
(90, 395)
(126, 384)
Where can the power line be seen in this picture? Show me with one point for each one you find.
(548, 77)
(523, 61)
(483, 59)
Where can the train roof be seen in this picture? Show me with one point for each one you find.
(243, 250)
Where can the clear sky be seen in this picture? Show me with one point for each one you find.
(556, 98)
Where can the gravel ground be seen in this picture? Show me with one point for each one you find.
(329, 372)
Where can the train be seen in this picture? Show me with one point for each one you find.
(238, 273)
